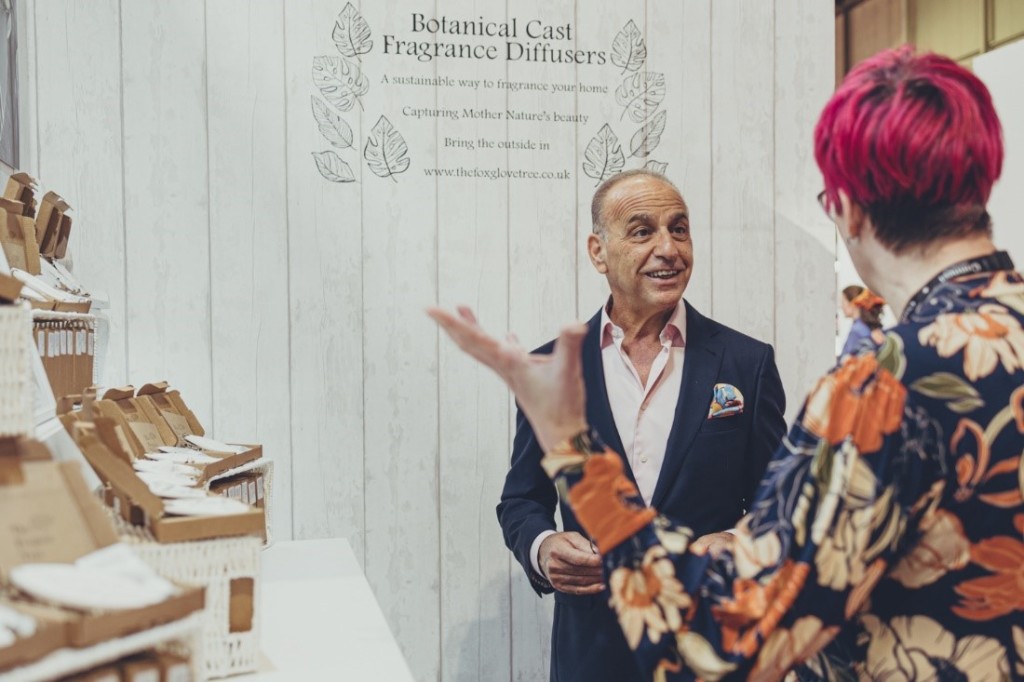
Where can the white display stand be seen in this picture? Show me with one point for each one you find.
(320, 618)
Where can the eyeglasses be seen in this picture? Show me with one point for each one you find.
(823, 202)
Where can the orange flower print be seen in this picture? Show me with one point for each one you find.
(1017, 405)
(1000, 594)
(859, 401)
(973, 470)
(987, 336)
(602, 501)
(648, 598)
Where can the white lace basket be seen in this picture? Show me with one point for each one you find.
(16, 384)
(212, 564)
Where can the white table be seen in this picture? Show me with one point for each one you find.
(320, 621)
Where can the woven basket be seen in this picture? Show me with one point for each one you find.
(264, 466)
(16, 385)
(212, 564)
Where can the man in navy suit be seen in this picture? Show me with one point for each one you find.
(696, 408)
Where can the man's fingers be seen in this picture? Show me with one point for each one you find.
(577, 557)
(580, 589)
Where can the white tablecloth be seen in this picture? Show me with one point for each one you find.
(320, 620)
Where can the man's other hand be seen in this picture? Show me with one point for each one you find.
(570, 564)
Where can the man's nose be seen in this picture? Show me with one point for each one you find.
(665, 246)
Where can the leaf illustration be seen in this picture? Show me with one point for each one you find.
(333, 167)
(629, 50)
(966, 405)
(640, 94)
(603, 157)
(648, 137)
(386, 150)
(656, 166)
(340, 81)
(944, 386)
(331, 125)
(352, 33)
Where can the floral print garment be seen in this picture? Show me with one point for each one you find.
(885, 542)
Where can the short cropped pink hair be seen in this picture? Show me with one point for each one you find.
(914, 140)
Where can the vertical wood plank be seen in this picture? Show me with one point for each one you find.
(544, 257)
(400, 274)
(474, 404)
(248, 234)
(78, 97)
(805, 290)
(325, 300)
(28, 89)
(875, 25)
(679, 45)
(166, 197)
(596, 29)
(743, 242)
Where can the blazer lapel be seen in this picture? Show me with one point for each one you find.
(700, 369)
(599, 410)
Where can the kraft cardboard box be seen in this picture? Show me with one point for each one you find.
(22, 187)
(17, 234)
(52, 517)
(100, 444)
(169, 405)
(120, 405)
(49, 223)
(51, 634)
(10, 289)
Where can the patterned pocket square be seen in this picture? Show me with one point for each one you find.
(727, 402)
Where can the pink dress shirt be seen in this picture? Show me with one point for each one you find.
(643, 414)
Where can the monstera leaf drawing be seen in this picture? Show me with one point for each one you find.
(332, 167)
(648, 137)
(352, 33)
(603, 157)
(386, 151)
(331, 125)
(340, 81)
(656, 166)
(628, 49)
(640, 94)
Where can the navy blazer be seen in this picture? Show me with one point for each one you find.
(710, 472)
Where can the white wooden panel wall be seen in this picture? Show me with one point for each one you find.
(473, 264)
(325, 292)
(166, 195)
(290, 308)
(78, 58)
(999, 69)
(805, 242)
(248, 232)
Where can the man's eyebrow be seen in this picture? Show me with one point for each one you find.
(680, 215)
(640, 218)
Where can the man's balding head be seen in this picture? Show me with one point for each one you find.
(597, 206)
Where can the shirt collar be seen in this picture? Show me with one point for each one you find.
(673, 334)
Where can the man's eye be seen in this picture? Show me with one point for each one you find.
(641, 232)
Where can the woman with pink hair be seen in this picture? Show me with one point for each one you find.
(885, 542)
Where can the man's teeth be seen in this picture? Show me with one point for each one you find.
(663, 274)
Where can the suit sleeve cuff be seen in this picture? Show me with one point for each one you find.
(535, 551)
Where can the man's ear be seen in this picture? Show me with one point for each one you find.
(595, 249)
